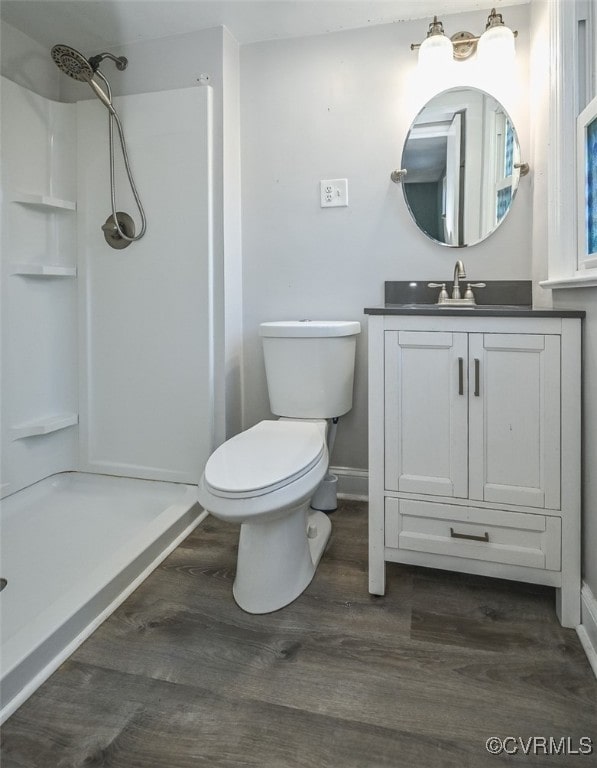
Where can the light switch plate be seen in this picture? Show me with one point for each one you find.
(334, 193)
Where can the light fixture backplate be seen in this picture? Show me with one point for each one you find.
(465, 44)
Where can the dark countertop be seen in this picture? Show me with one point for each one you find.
(498, 298)
(481, 310)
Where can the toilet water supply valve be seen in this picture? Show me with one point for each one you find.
(325, 498)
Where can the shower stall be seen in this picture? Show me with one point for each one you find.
(106, 362)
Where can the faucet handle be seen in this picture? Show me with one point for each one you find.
(469, 289)
(443, 294)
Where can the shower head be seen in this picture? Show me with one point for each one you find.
(75, 65)
(72, 63)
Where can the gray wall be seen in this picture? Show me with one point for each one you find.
(340, 105)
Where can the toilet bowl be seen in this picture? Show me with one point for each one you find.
(264, 478)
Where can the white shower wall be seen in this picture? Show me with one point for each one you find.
(107, 355)
(146, 357)
(38, 288)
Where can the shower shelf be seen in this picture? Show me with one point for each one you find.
(45, 201)
(44, 426)
(42, 270)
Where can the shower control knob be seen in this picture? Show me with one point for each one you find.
(112, 233)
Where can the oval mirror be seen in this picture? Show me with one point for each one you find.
(460, 156)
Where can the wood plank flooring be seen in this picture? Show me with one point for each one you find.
(179, 676)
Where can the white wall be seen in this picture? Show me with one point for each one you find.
(231, 226)
(577, 298)
(539, 99)
(146, 396)
(586, 298)
(179, 62)
(155, 66)
(335, 106)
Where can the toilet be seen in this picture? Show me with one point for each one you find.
(265, 477)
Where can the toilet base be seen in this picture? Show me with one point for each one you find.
(277, 558)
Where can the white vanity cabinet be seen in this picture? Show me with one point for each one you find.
(474, 446)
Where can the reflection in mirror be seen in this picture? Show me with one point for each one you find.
(460, 156)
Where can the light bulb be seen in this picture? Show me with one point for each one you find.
(496, 45)
(436, 51)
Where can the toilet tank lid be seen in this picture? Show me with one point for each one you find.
(310, 328)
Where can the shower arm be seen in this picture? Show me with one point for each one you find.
(106, 99)
(121, 62)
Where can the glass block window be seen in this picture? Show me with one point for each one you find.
(504, 198)
(509, 150)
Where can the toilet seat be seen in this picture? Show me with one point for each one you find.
(264, 458)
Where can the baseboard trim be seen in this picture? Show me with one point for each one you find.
(352, 483)
(587, 629)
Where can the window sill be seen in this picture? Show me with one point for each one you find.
(576, 281)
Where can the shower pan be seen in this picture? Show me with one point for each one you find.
(119, 228)
(108, 533)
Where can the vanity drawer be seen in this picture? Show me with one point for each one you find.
(510, 538)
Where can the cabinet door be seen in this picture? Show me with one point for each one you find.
(426, 412)
(514, 419)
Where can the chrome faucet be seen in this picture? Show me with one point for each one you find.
(459, 274)
(457, 300)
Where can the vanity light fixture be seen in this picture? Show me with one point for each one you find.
(497, 42)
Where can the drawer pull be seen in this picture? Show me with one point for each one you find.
(470, 536)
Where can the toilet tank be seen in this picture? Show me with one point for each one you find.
(309, 366)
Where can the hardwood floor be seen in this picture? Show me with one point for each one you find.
(179, 676)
